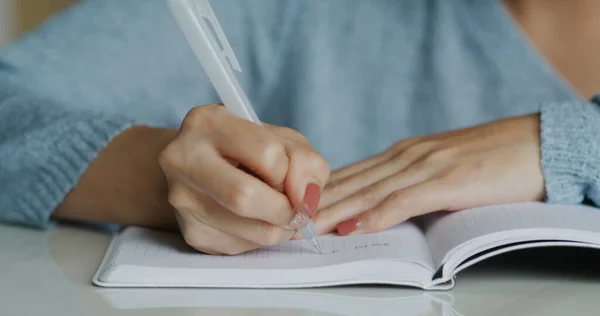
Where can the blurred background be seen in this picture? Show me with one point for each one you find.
(20, 16)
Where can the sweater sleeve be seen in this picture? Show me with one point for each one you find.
(71, 85)
(570, 146)
(44, 149)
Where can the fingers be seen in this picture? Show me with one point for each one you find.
(256, 148)
(401, 205)
(239, 192)
(209, 212)
(327, 219)
(337, 190)
(211, 168)
(287, 133)
(209, 239)
(202, 154)
(307, 174)
(397, 158)
(369, 163)
(357, 167)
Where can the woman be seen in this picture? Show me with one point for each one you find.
(429, 105)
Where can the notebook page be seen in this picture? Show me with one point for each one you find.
(143, 247)
(445, 231)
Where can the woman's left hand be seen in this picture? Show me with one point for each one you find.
(495, 163)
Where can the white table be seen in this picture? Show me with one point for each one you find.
(49, 272)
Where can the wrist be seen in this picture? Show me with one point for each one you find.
(124, 184)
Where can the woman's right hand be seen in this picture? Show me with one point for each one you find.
(236, 186)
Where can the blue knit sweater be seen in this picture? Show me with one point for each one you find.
(353, 76)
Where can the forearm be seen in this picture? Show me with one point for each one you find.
(60, 163)
(68, 91)
(124, 184)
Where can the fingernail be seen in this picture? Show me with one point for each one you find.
(300, 219)
(347, 227)
(308, 208)
(312, 196)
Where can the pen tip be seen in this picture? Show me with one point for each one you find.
(319, 248)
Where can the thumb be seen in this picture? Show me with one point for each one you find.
(308, 172)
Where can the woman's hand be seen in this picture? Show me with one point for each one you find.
(236, 186)
(493, 163)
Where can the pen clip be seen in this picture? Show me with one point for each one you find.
(204, 10)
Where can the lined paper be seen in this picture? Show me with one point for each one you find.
(146, 247)
(445, 231)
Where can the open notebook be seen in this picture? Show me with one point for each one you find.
(426, 253)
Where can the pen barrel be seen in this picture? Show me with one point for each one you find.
(196, 29)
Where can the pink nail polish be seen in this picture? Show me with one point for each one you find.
(308, 208)
(347, 227)
(312, 196)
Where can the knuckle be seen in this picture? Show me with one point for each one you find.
(241, 198)
(318, 163)
(369, 195)
(203, 115)
(376, 221)
(401, 200)
(168, 157)
(402, 145)
(272, 154)
(314, 162)
(422, 164)
(440, 155)
(422, 147)
(194, 115)
(324, 167)
(293, 135)
(287, 133)
(334, 185)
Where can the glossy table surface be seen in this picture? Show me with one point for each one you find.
(49, 273)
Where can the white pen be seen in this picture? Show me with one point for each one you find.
(193, 17)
